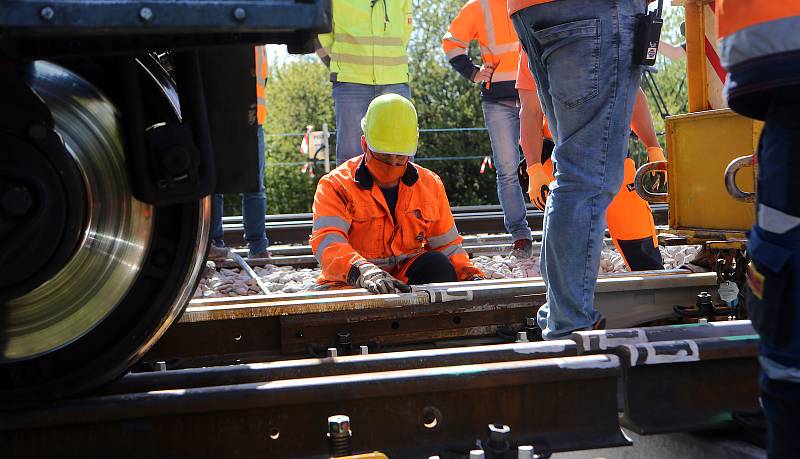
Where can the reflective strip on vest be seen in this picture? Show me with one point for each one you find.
(504, 76)
(369, 60)
(778, 36)
(775, 221)
(331, 222)
(453, 250)
(326, 241)
(449, 37)
(455, 52)
(443, 239)
(369, 41)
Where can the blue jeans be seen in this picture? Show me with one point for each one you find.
(254, 209)
(502, 121)
(581, 54)
(350, 102)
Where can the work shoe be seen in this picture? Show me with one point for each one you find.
(217, 253)
(523, 248)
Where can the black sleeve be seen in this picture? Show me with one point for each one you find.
(463, 65)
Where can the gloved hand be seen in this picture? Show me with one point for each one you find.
(377, 280)
(538, 185)
(655, 154)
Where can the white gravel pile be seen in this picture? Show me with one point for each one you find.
(286, 279)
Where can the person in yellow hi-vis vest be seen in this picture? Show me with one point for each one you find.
(254, 204)
(366, 52)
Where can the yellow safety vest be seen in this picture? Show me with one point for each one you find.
(369, 41)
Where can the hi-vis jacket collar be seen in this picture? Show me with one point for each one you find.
(364, 179)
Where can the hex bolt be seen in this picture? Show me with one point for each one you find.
(344, 342)
(364, 350)
(704, 304)
(498, 438)
(522, 337)
(332, 352)
(339, 436)
(240, 14)
(145, 14)
(702, 321)
(530, 322)
(162, 366)
(525, 452)
(47, 13)
(477, 454)
(17, 202)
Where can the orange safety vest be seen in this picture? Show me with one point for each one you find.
(352, 223)
(260, 71)
(487, 22)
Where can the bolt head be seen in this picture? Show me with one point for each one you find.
(339, 424)
(47, 13)
(145, 14)
(240, 14)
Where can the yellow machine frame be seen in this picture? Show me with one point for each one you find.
(707, 147)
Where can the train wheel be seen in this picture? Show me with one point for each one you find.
(100, 274)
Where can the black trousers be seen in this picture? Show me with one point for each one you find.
(431, 267)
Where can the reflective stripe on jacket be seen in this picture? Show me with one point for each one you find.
(352, 223)
(487, 22)
(261, 70)
(759, 46)
(369, 41)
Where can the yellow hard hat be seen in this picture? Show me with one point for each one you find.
(390, 125)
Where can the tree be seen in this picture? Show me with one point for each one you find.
(299, 93)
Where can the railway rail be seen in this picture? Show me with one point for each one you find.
(259, 327)
(557, 396)
(295, 228)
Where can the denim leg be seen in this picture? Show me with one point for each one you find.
(217, 200)
(350, 102)
(581, 54)
(502, 121)
(254, 207)
(400, 88)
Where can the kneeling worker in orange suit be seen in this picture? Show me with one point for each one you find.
(629, 219)
(382, 222)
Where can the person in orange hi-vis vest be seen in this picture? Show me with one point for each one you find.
(487, 22)
(382, 222)
(254, 204)
(629, 218)
(759, 46)
(581, 53)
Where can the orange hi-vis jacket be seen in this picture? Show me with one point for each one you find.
(487, 22)
(261, 70)
(759, 46)
(352, 223)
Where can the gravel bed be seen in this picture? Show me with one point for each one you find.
(223, 282)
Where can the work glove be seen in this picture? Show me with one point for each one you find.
(655, 154)
(538, 185)
(377, 280)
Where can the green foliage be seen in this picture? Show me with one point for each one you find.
(299, 93)
(444, 99)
